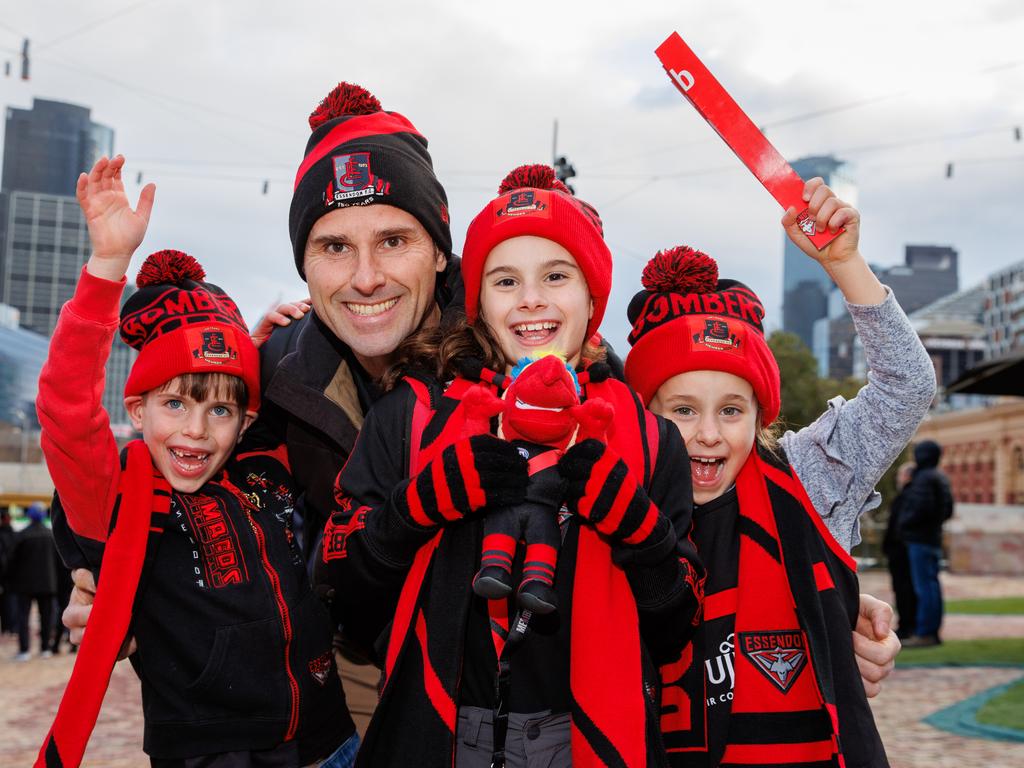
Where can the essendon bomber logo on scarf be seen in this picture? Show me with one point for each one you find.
(779, 656)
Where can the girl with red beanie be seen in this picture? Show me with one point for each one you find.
(772, 677)
(470, 681)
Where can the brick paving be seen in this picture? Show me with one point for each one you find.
(30, 692)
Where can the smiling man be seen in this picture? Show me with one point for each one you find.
(370, 235)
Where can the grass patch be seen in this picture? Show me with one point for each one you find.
(1005, 710)
(992, 605)
(967, 653)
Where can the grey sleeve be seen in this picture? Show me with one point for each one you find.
(841, 456)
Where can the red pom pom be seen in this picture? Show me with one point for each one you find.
(169, 268)
(680, 269)
(537, 176)
(345, 99)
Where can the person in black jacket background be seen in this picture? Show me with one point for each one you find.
(928, 503)
(33, 578)
(896, 554)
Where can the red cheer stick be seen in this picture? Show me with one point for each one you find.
(715, 105)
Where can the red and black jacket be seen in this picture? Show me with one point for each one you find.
(234, 648)
(406, 594)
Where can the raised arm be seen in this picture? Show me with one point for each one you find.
(841, 456)
(80, 450)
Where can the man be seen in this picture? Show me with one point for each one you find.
(928, 503)
(370, 234)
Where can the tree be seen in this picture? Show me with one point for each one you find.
(799, 371)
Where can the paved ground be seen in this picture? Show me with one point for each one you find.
(30, 691)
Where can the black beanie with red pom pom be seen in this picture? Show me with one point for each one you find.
(181, 324)
(686, 319)
(357, 155)
(532, 202)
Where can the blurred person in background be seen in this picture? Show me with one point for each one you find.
(928, 504)
(895, 550)
(33, 578)
(8, 603)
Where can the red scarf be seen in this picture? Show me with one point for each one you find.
(144, 492)
(774, 673)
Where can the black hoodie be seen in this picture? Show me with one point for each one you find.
(928, 502)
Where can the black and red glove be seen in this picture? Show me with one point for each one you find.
(470, 474)
(602, 490)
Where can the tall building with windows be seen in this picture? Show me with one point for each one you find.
(44, 241)
(805, 286)
(46, 147)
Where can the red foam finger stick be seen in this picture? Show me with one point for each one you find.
(715, 105)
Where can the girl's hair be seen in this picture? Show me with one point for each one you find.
(437, 351)
(199, 386)
(767, 437)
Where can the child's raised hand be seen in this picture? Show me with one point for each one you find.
(114, 228)
(829, 213)
(840, 258)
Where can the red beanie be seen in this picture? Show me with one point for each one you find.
(687, 319)
(531, 201)
(180, 324)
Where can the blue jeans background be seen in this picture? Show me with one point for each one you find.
(924, 572)
(345, 755)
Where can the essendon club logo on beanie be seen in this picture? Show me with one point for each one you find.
(354, 182)
(521, 202)
(779, 656)
(211, 346)
(717, 336)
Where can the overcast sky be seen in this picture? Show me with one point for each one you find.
(210, 98)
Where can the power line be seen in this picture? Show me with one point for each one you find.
(233, 116)
(92, 25)
(814, 114)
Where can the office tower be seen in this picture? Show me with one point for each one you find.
(44, 241)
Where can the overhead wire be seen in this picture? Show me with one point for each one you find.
(91, 25)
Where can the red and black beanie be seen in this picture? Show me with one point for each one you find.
(181, 324)
(686, 319)
(359, 155)
(531, 201)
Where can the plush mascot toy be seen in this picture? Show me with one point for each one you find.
(541, 414)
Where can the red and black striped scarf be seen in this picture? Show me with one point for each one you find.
(142, 509)
(609, 726)
(775, 679)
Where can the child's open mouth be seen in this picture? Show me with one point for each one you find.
(189, 462)
(706, 471)
(536, 333)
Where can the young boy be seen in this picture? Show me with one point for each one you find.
(192, 541)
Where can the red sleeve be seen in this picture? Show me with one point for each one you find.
(80, 451)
